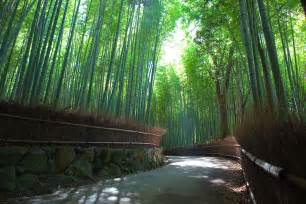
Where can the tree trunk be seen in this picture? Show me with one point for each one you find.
(272, 51)
(246, 37)
(223, 115)
(304, 5)
(266, 74)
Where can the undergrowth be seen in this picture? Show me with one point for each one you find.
(276, 139)
(79, 117)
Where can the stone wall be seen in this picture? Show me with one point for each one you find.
(28, 170)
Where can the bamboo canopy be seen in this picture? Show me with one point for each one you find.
(91, 55)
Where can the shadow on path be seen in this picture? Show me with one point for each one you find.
(185, 180)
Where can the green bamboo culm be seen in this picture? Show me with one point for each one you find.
(242, 56)
(90, 55)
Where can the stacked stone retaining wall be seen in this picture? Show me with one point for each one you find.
(27, 170)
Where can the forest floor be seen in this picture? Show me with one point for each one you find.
(189, 180)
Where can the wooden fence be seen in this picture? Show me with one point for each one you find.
(19, 129)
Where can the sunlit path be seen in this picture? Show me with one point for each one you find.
(185, 180)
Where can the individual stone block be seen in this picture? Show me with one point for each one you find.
(36, 161)
(88, 154)
(63, 157)
(118, 156)
(80, 168)
(7, 178)
(27, 181)
(11, 155)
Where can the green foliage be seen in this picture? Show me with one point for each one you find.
(217, 77)
(173, 11)
(95, 55)
(101, 56)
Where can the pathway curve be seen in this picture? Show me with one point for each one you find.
(185, 180)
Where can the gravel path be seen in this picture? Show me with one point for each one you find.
(185, 180)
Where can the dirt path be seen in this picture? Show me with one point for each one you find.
(186, 180)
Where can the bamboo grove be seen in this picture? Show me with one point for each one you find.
(102, 57)
(180, 105)
(247, 54)
(91, 55)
